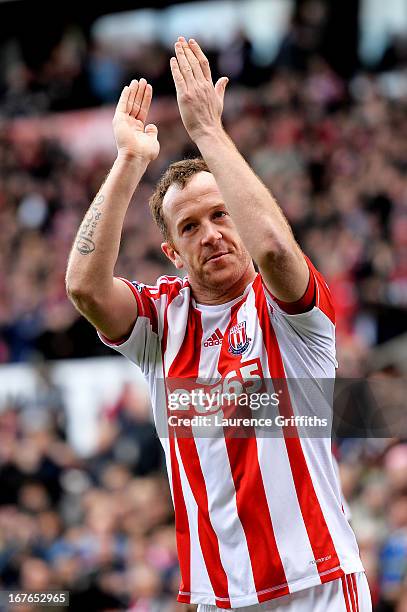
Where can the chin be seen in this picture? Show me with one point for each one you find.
(223, 276)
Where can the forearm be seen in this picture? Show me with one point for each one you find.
(258, 218)
(96, 246)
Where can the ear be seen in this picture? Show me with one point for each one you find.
(169, 251)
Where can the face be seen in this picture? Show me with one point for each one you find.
(204, 239)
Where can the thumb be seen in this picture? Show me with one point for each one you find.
(151, 129)
(221, 86)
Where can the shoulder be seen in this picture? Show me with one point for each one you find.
(317, 298)
(164, 286)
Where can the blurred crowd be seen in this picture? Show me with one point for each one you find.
(77, 64)
(101, 527)
(331, 148)
(332, 151)
(333, 154)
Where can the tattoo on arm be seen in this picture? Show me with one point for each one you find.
(84, 240)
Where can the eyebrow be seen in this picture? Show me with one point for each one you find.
(183, 221)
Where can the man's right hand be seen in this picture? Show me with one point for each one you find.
(134, 139)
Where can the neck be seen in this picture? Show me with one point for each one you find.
(214, 295)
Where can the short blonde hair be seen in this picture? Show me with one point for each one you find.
(180, 173)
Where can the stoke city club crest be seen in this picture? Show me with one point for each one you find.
(238, 340)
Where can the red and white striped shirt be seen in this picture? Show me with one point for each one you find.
(256, 517)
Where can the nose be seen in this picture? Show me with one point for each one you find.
(211, 234)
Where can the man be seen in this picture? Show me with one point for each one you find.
(259, 520)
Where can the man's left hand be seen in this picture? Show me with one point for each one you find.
(200, 101)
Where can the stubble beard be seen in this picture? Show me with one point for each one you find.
(215, 281)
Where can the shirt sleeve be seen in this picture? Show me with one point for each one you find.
(142, 345)
(313, 316)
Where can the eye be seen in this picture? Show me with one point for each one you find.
(220, 213)
(188, 227)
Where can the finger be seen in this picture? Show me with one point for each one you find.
(180, 84)
(201, 57)
(192, 60)
(184, 65)
(138, 99)
(132, 95)
(220, 87)
(145, 103)
(151, 129)
(122, 103)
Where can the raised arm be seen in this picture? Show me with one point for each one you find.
(105, 301)
(257, 216)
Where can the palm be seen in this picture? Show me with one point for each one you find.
(132, 136)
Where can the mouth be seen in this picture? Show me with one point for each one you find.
(217, 256)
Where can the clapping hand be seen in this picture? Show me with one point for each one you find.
(200, 101)
(134, 139)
